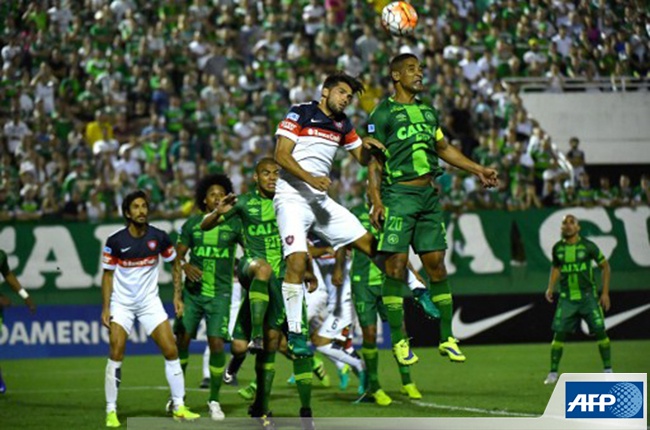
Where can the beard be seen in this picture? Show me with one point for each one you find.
(333, 108)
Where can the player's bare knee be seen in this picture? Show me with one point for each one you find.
(216, 344)
(263, 270)
(396, 266)
(272, 341)
(238, 347)
(170, 352)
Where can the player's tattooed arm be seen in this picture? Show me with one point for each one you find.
(377, 210)
(489, 177)
(177, 279)
(107, 290)
(553, 278)
(216, 217)
(192, 272)
(284, 157)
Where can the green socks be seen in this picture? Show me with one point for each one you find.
(371, 358)
(394, 302)
(183, 356)
(405, 374)
(604, 347)
(302, 369)
(557, 347)
(265, 373)
(258, 296)
(217, 365)
(441, 296)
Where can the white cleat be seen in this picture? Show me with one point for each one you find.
(608, 370)
(215, 411)
(551, 378)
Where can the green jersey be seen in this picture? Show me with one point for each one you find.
(576, 268)
(364, 271)
(213, 252)
(259, 229)
(409, 132)
(4, 265)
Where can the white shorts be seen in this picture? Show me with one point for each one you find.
(329, 220)
(150, 314)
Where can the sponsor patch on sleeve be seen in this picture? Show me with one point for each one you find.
(371, 128)
(293, 116)
(108, 250)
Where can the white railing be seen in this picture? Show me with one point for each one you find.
(581, 84)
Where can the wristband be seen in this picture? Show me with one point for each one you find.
(23, 293)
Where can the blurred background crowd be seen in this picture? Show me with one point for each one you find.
(99, 97)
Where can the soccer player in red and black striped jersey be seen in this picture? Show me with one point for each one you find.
(130, 291)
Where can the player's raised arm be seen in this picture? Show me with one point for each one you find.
(284, 157)
(449, 153)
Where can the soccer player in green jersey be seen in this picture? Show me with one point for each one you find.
(209, 281)
(367, 280)
(578, 298)
(261, 271)
(405, 204)
(15, 286)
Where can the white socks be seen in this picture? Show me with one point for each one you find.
(293, 295)
(411, 280)
(206, 362)
(176, 381)
(336, 353)
(112, 383)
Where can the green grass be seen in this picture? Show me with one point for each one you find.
(495, 381)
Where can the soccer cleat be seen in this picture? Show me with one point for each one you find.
(344, 377)
(229, 379)
(248, 392)
(183, 413)
(306, 419)
(264, 419)
(551, 378)
(169, 407)
(111, 420)
(403, 354)
(451, 350)
(412, 391)
(297, 345)
(608, 370)
(205, 383)
(215, 411)
(320, 372)
(363, 380)
(381, 398)
(422, 297)
(256, 346)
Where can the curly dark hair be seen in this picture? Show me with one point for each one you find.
(335, 78)
(204, 185)
(126, 203)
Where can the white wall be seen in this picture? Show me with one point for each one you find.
(613, 128)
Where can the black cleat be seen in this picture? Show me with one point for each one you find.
(306, 419)
(229, 379)
(205, 384)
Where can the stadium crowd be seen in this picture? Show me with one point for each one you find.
(98, 97)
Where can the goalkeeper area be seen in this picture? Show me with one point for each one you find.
(496, 381)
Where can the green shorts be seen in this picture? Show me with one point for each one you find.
(275, 318)
(216, 311)
(413, 217)
(569, 313)
(368, 303)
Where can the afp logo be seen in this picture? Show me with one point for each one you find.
(604, 400)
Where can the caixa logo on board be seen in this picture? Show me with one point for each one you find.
(604, 400)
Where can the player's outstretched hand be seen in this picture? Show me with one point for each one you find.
(604, 302)
(194, 273)
(226, 204)
(106, 317)
(489, 177)
(549, 295)
(377, 213)
(321, 183)
(370, 143)
(30, 304)
(179, 306)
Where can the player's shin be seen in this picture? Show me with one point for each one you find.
(176, 381)
(392, 297)
(371, 358)
(183, 356)
(217, 365)
(441, 296)
(112, 383)
(292, 295)
(302, 369)
(265, 373)
(604, 347)
(259, 301)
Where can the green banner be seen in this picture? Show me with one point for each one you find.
(490, 252)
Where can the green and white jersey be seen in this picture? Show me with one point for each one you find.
(363, 270)
(409, 132)
(213, 252)
(4, 264)
(576, 268)
(259, 229)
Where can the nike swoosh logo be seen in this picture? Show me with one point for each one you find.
(125, 249)
(614, 320)
(464, 330)
(316, 120)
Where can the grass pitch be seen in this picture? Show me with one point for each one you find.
(496, 380)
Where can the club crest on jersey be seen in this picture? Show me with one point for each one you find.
(338, 124)
(289, 239)
(151, 244)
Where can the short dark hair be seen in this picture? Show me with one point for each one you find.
(265, 160)
(336, 78)
(205, 184)
(130, 198)
(396, 62)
